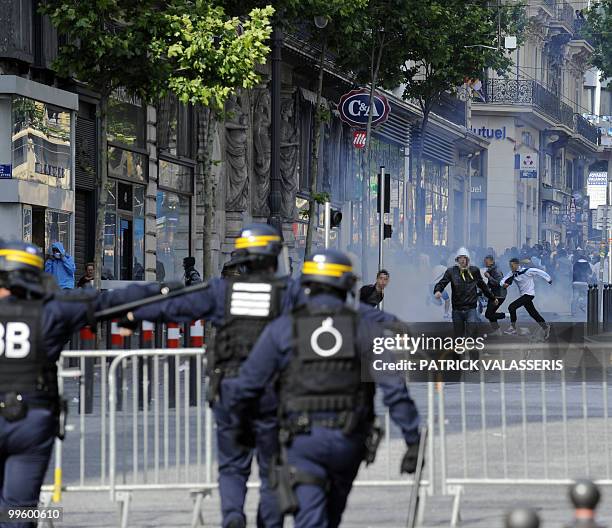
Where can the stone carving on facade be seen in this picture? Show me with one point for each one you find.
(288, 157)
(262, 149)
(236, 155)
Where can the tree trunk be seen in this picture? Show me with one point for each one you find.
(205, 153)
(314, 158)
(102, 184)
(365, 162)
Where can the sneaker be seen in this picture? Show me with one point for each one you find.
(447, 316)
(497, 332)
(511, 331)
(546, 330)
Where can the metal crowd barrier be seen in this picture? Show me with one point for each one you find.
(139, 422)
(501, 432)
(143, 425)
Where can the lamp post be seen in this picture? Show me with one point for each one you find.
(275, 198)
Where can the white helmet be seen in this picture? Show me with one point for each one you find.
(462, 252)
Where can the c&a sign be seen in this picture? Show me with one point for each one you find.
(354, 108)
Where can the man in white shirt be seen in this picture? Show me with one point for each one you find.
(523, 278)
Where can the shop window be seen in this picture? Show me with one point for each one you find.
(124, 164)
(43, 227)
(173, 213)
(174, 127)
(123, 253)
(173, 219)
(126, 120)
(41, 143)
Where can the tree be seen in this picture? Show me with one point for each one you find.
(149, 49)
(373, 48)
(211, 54)
(599, 30)
(440, 60)
(292, 15)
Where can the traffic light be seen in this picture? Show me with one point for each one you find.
(335, 218)
(387, 194)
(387, 231)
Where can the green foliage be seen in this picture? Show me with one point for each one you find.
(108, 43)
(189, 47)
(439, 58)
(321, 197)
(207, 54)
(378, 26)
(599, 31)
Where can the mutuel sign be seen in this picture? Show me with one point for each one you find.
(354, 108)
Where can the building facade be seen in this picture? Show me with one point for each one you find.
(541, 145)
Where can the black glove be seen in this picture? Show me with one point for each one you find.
(126, 322)
(409, 462)
(245, 435)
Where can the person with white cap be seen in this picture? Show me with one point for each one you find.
(465, 281)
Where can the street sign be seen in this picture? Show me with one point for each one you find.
(528, 166)
(6, 171)
(354, 108)
(359, 138)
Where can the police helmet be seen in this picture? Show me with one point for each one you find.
(257, 243)
(21, 268)
(329, 267)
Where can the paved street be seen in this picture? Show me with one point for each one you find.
(522, 447)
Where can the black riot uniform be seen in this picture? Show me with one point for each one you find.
(319, 354)
(239, 307)
(34, 327)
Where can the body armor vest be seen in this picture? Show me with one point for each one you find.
(24, 365)
(250, 304)
(324, 372)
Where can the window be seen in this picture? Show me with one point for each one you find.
(57, 228)
(41, 143)
(174, 126)
(124, 164)
(126, 120)
(173, 219)
(123, 252)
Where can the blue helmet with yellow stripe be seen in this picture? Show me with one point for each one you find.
(257, 242)
(21, 267)
(330, 267)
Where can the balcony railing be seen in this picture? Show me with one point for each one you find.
(528, 92)
(587, 130)
(580, 32)
(566, 14)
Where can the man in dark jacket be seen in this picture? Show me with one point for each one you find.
(191, 274)
(494, 276)
(373, 294)
(464, 280)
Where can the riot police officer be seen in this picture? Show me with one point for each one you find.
(326, 409)
(34, 327)
(239, 307)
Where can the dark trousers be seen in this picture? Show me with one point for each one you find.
(331, 455)
(464, 322)
(25, 451)
(235, 462)
(527, 302)
(491, 312)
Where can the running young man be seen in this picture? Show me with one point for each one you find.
(523, 277)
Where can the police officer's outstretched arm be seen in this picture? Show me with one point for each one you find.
(183, 308)
(70, 311)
